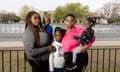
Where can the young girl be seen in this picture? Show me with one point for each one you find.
(86, 36)
(69, 44)
(48, 27)
(56, 59)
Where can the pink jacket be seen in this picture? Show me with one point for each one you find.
(69, 42)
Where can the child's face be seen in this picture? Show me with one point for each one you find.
(87, 24)
(35, 19)
(46, 20)
(69, 21)
(58, 36)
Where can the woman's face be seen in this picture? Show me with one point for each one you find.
(69, 21)
(87, 24)
(46, 20)
(58, 36)
(35, 19)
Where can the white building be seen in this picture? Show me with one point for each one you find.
(109, 10)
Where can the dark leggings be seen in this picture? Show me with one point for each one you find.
(41, 66)
(82, 62)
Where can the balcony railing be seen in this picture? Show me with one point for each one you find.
(100, 60)
(19, 28)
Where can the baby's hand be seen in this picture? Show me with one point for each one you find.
(73, 49)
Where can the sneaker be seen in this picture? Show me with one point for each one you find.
(71, 67)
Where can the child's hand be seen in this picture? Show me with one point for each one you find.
(51, 48)
(76, 37)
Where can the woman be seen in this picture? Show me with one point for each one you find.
(69, 44)
(48, 27)
(36, 43)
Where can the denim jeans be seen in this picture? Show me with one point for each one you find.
(58, 69)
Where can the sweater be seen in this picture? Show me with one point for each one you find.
(56, 59)
(30, 50)
(49, 30)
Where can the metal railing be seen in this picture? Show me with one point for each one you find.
(104, 60)
(19, 28)
(100, 60)
(12, 28)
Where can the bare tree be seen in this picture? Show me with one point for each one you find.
(110, 9)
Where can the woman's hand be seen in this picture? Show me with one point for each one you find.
(83, 48)
(36, 60)
(51, 48)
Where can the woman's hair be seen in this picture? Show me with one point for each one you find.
(60, 30)
(47, 18)
(32, 28)
(72, 15)
(92, 20)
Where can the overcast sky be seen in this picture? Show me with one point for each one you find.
(15, 5)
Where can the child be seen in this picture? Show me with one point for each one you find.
(48, 27)
(86, 36)
(56, 59)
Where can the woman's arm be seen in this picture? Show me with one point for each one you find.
(92, 41)
(84, 48)
(28, 40)
(39, 51)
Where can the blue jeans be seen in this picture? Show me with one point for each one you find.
(58, 69)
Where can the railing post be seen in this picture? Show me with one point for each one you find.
(109, 60)
(10, 62)
(10, 28)
(5, 28)
(115, 60)
(103, 61)
(91, 61)
(24, 63)
(17, 61)
(97, 60)
(2, 61)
